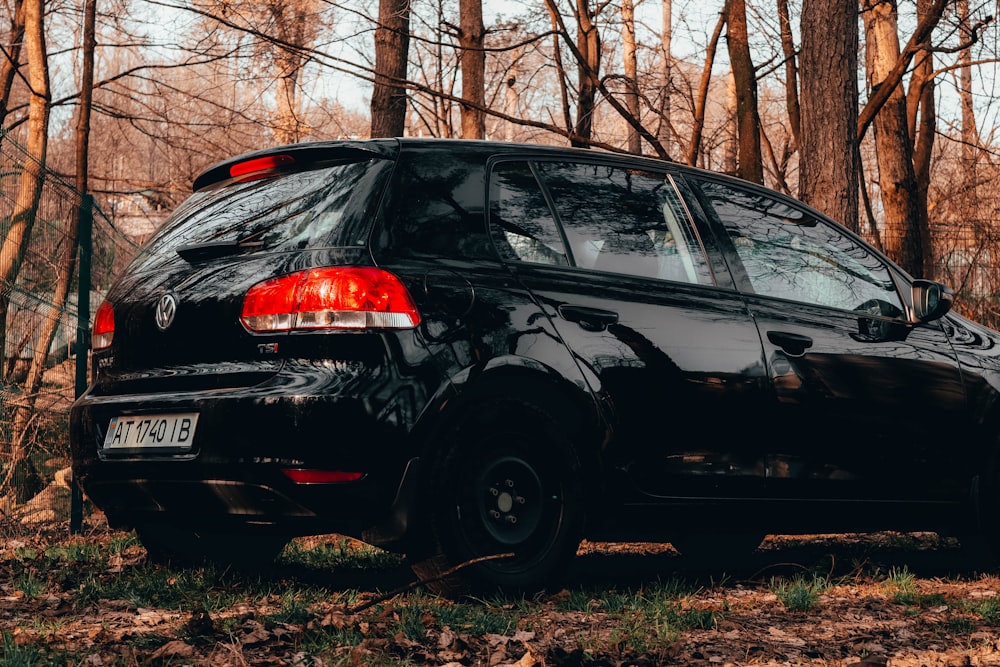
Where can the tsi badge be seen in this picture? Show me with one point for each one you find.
(166, 310)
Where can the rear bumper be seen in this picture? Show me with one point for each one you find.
(232, 476)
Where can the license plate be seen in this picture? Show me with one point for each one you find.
(148, 431)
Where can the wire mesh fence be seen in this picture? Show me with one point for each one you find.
(39, 304)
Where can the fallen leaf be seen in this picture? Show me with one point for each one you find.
(527, 660)
(254, 632)
(173, 649)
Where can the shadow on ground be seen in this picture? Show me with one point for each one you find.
(617, 565)
(925, 555)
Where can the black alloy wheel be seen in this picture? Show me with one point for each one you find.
(505, 493)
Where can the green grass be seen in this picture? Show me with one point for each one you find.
(342, 554)
(801, 593)
(476, 618)
(295, 608)
(13, 654)
(988, 610)
(901, 586)
(30, 585)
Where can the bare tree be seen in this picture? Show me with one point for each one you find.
(921, 123)
(22, 218)
(67, 259)
(10, 57)
(665, 128)
(698, 126)
(970, 134)
(588, 44)
(791, 70)
(897, 182)
(631, 75)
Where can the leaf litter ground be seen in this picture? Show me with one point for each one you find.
(891, 599)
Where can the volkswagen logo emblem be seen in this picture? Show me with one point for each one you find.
(166, 309)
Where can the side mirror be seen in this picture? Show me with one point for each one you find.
(931, 300)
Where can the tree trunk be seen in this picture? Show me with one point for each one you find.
(970, 134)
(631, 74)
(731, 148)
(23, 216)
(749, 164)
(560, 68)
(67, 262)
(588, 42)
(665, 128)
(887, 85)
(392, 47)
(922, 126)
(828, 65)
(473, 58)
(791, 71)
(10, 64)
(894, 150)
(694, 148)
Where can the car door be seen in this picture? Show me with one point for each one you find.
(664, 341)
(867, 406)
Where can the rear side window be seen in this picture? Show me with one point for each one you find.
(520, 220)
(628, 221)
(330, 206)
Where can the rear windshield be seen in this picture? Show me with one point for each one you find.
(329, 206)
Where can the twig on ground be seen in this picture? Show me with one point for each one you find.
(413, 584)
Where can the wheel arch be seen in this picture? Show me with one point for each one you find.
(519, 380)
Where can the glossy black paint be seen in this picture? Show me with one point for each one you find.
(691, 404)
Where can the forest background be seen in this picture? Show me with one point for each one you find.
(881, 114)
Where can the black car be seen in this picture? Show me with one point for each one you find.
(469, 349)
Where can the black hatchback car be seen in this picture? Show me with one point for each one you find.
(462, 350)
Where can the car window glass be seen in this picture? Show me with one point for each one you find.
(305, 209)
(789, 254)
(520, 220)
(625, 221)
(435, 207)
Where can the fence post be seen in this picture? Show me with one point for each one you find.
(84, 233)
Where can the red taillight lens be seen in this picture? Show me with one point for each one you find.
(330, 298)
(260, 167)
(302, 476)
(104, 327)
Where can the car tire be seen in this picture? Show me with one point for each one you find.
(171, 545)
(506, 481)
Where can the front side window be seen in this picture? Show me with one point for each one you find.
(625, 221)
(789, 254)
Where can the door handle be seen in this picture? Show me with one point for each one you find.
(589, 319)
(794, 345)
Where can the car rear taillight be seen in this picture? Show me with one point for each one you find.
(260, 167)
(104, 327)
(306, 476)
(329, 298)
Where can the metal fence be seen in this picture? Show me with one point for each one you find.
(35, 480)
